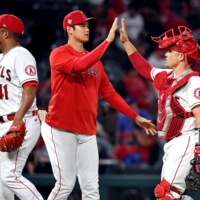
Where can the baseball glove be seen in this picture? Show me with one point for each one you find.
(192, 180)
(12, 140)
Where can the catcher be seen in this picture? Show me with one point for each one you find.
(178, 105)
(19, 123)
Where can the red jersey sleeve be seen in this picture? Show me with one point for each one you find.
(141, 65)
(66, 61)
(30, 83)
(91, 58)
(62, 60)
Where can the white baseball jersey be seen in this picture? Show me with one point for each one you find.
(17, 67)
(188, 97)
(180, 150)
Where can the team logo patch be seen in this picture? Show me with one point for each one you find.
(30, 70)
(69, 21)
(197, 93)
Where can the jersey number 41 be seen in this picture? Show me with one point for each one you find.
(3, 91)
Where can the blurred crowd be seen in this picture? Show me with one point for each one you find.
(119, 139)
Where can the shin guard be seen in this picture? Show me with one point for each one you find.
(162, 191)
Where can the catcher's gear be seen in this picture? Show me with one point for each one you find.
(12, 140)
(192, 180)
(184, 42)
(162, 191)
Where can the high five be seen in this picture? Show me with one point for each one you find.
(69, 128)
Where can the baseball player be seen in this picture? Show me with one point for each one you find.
(178, 105)
(69, 128)
(18, 111)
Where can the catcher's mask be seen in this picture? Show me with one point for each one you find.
(184, 42)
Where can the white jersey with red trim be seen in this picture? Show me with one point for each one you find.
(17, 67)
(188, 96)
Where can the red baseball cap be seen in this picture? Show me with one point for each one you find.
(75, 17)
(11, 23)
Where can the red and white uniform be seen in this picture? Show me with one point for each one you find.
(178, 132)
(17, 67)
(187, 96)
(69, 130)
(179, 148)
(78, 90)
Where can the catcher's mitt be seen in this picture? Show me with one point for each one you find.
(192, 180)
(12, 140)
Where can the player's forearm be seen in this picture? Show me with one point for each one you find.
(119, 104)
(91, 58)
(130, 49)
(28, 96)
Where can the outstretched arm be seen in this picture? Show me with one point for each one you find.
(140, 64)
(119, 104)
(94, 56)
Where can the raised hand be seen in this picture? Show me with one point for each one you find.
(149, 127)
(111, 34)
(123, 33)
(129, 48)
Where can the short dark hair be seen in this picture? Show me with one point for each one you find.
(66, 34)
(16, 36)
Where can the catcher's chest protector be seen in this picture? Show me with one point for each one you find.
(171, 115)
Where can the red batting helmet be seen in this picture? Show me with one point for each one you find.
(184, 42)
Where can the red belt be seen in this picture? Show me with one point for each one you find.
(12, 116)
(183, 115)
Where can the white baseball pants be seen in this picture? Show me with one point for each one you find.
(72, 155)
(11, 164)
(176, 161)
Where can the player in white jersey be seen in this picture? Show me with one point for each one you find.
(18, 81)
(178, 105)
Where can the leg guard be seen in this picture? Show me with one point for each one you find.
(162, 191)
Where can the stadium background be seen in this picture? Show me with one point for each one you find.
(135, 176)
